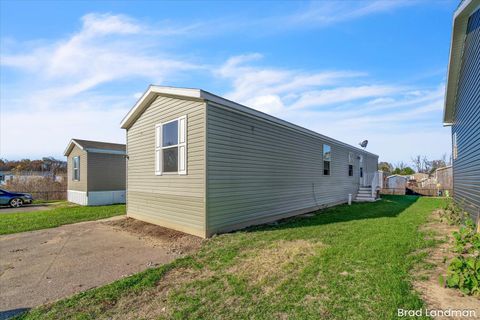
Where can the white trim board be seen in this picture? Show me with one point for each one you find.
(96, 198)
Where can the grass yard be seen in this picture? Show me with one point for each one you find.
(62, 213)
(346, 262)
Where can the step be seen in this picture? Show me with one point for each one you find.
(364, 195)
(365, 200)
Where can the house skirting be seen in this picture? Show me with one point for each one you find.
(96, 198)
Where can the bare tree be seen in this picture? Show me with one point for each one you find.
(417, 163)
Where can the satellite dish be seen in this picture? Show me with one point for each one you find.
(363, 144)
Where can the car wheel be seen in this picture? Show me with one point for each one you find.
(16, 203)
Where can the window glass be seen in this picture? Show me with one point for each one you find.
(326, 168)
(350, 170)
(76, 168)
(350, 157)
(170, 159)
(326, 152)
(170, 134)
(361, 172)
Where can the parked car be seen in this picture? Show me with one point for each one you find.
(14, 199)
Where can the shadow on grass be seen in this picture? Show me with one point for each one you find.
(390, 206)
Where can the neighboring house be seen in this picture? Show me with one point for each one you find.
(462, 105)
(5, 176)
(96, 172)
(203, 164)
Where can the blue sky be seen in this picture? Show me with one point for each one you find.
(356, 70)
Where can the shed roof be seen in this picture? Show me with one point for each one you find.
(154, 91)
(460, 22)
(96, 146)
(397, 175)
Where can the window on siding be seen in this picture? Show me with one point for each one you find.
(171, 147)
(350, 157)
(327, 157)
(350, 170)
(454, 147)
(76, 168)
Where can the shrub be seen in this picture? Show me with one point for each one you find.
(464, 273)
(464, 270)
(453, 214)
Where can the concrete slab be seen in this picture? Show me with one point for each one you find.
(42, 266)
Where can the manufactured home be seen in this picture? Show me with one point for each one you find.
(96, 172)
(462, 106)
(202, 164)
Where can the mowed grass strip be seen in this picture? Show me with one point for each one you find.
(60, 215)
(346, 262)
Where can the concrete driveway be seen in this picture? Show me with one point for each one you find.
(42, 266)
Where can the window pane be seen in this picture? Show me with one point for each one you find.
(350, 170)
(326, 168)
(326, 152)
(76, 168)
(170, 160)
(170, 134)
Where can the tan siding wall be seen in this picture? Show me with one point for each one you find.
(106, 172)
(174, 201)
(82, 184)
(259, 171)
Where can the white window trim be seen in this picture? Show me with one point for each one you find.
(182, 155)
(77, 169)
(351, 157)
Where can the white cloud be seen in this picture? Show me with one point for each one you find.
(340, 105)
(268, 88)
(323, 13)
(60, 80)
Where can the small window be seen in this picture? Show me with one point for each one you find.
(171, 147)
(350, 170)
(327, 157)
(76, 168)
(454, 147)
(361, 172)
(350, 157)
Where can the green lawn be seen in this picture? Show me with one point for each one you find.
(62, 213)
(346, 262)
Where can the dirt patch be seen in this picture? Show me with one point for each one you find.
(265, 267)
(269, 266)
(174, 241)
(427, 279)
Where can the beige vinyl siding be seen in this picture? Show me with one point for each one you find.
(259, 171)
(106, 172)
(171, 200)
(80, 185)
